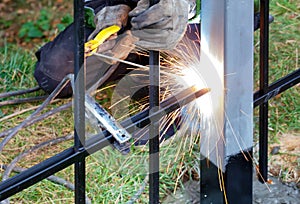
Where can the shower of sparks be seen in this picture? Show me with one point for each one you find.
(181, 68)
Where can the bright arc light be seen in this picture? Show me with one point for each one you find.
(192, 77)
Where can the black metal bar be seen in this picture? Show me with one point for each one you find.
(264, 86)
(154, 95)
(218, 187)
(43, 170)
(79, 97)
(210, 191)
(66, 158)
(154, 129)
(276, 88)
(239, 171)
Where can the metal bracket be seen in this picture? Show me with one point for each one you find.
(106, 120)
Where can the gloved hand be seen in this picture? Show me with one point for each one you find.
(96, 67)
(117, 46)
(161, 26)
(110, 15)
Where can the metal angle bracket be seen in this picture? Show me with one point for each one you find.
(106, 120)
(103, 117)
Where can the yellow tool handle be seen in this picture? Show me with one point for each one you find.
(92, 45)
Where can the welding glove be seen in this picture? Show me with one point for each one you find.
(117, 47)
(161, 26)
(110, 15)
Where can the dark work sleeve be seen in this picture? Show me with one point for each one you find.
(97, 5)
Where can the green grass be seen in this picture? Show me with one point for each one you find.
(284, 47)
(110, 176)
(284, 109)
(16, 68)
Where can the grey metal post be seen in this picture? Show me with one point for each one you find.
(227, 136)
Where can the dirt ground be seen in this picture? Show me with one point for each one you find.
(274, 193)
(284, 159)
(277, 192)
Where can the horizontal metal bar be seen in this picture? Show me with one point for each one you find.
(19, 92)
(276, 88)
(66, 158)
(23, 100)
(37, 173)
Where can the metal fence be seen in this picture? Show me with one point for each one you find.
(239, 166)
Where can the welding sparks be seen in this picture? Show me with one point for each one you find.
(180, 68)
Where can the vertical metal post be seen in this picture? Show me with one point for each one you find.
(79, 93)
(227, 137)
(154, 93)
(264, 84)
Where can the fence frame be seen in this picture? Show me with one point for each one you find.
(238, 166)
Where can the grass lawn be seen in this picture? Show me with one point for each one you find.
(115, 178)
(284, 109)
